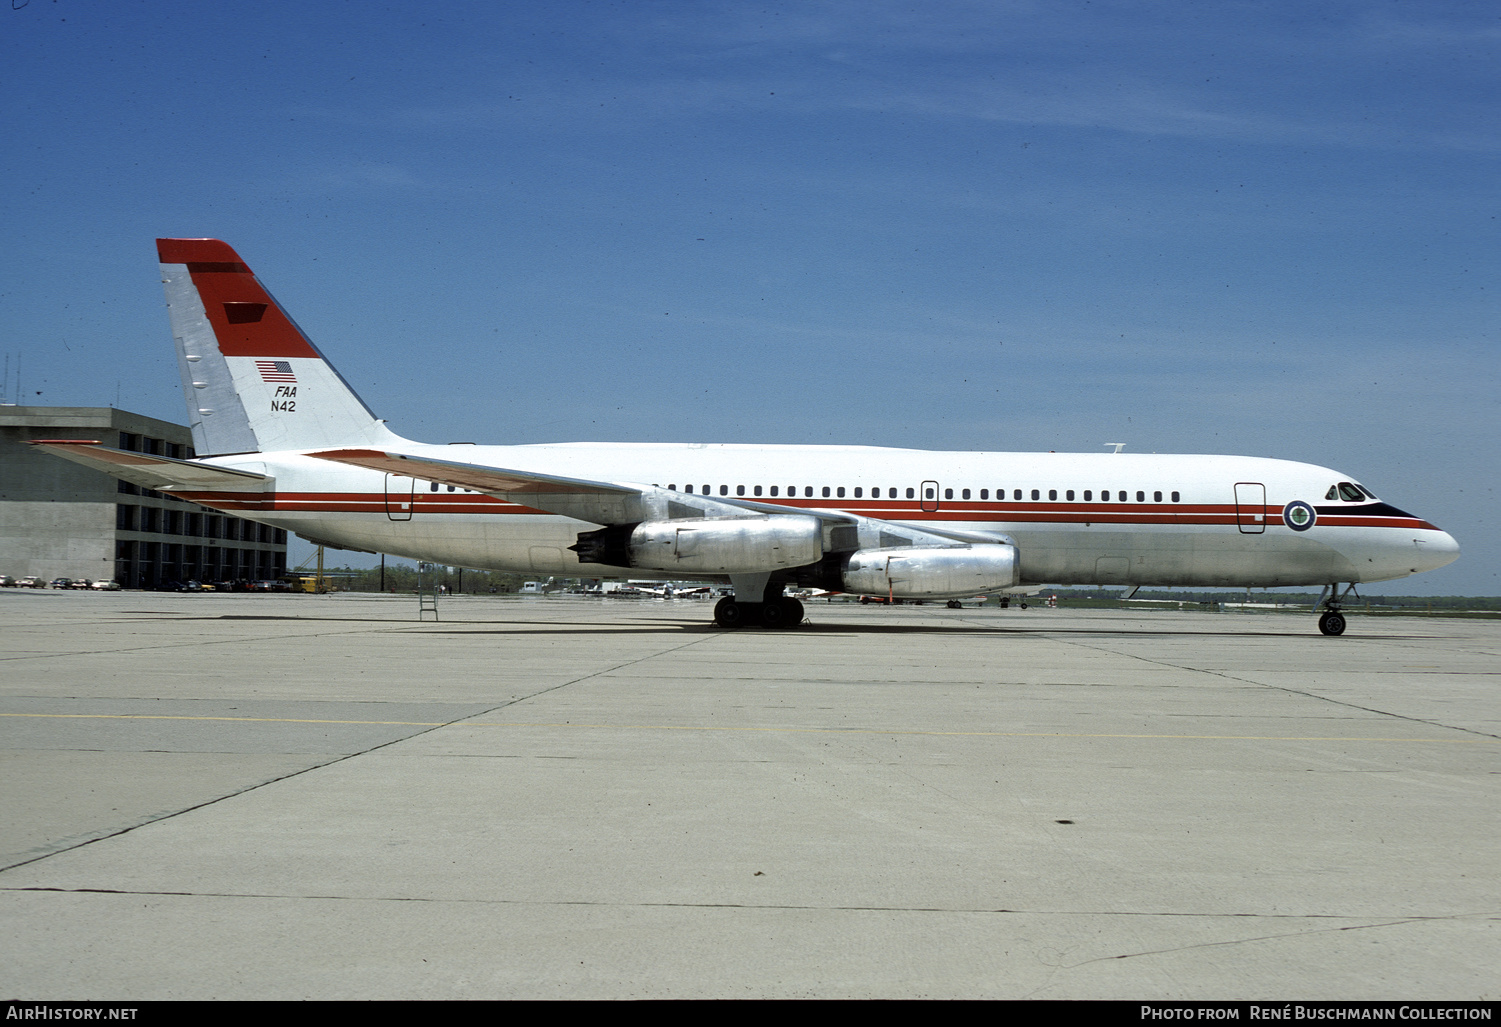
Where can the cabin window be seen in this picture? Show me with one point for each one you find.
(964, 494)
(948, 493)
(911, 493)
(773, 491)
(670, 488)
(1017, 494)
(1052, 494)
(1036, 494)
(984, 493)
(724, 490)
(839, 492)
(1141, 497)
(688, 489)
(433, 486)
(1088, 495)
(826, 492)
(857, 491)
(739, 490)
(1069, 495)
(757, 490)
(927, 493)
(1175, 497)
(1156, 497)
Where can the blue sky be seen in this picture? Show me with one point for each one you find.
(1259, 228)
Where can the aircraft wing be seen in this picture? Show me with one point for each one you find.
(608, 503)
(500, 481)
(154, 472)
(601, 502)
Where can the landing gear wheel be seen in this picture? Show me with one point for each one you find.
(1332, 623)
(773, 614)
(955, 604)
(793, 612)
(729, 614)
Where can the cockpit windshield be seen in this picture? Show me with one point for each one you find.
(1349, 492)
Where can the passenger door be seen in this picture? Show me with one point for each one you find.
(1250, 507)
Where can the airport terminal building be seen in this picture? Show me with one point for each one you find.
(60, 519)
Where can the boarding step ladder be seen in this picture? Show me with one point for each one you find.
(429, 577)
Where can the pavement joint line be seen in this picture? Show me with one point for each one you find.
(1401, 922)
(765, 729)
(1364, 920)
(338, 759)
(191, 642)
(1280, 688)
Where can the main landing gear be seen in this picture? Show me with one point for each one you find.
(1332, 621)
(775, 611)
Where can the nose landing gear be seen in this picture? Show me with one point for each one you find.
(1332, 621)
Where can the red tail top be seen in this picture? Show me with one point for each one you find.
(245, 319)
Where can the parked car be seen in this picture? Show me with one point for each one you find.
(6, 581)
(31, 581)
(62, 582)
(105, 586)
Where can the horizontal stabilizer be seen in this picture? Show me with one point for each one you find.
(155, 472)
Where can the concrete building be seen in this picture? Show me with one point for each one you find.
(59, 519)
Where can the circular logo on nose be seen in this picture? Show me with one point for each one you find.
(1298, 515)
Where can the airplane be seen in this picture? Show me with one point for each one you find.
(281, 438)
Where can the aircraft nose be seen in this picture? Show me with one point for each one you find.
(1435, 549)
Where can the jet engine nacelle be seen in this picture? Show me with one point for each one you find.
(950, 572)
(736, 545)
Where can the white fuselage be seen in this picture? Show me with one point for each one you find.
(1075, 518)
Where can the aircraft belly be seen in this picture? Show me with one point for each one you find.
(1175, 555)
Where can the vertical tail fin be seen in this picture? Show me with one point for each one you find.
(253, 380)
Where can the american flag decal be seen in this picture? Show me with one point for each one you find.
(275, 371)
